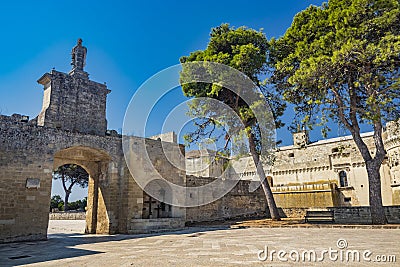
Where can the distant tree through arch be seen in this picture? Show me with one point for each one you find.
(71, 175)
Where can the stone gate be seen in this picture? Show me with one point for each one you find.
(72, 128)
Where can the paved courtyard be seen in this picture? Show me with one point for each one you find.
(198, 246)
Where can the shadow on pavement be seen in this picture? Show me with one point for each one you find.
(63, 246)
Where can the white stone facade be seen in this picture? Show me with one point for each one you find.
(330, 161)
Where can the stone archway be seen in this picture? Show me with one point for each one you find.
(96, 163)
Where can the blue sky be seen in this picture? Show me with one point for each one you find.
(127, 41)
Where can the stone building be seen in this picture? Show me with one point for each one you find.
(325, 173)
(204, 163)
(72, 128)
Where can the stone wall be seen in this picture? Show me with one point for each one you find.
(292, 201)
(362, 215)
(297, 213)
(139, 226)
(67, 216)
(83, 103)
(204, 163)
(170, 137)
(72, 129)
(239, 202)
(29, 153)
(156, 162)
(305, 196)
(323, 162)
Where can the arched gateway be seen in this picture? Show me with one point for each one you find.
(72, 128)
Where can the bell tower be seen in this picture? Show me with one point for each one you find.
(71, 101)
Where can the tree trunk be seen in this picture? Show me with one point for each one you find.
(373, 165)
(66, 201)
(375, 194)
(265, 185)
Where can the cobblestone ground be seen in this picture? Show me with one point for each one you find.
(198, 246)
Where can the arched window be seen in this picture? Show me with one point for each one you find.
(343, 179)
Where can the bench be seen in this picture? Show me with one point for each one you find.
(319, 216)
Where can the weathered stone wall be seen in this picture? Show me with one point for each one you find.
(170, 137)
(114, 198)
(73, 102)
(138, 226)
(298, 213)
(72, 129)
(362, 215)
(157, 161)
(204, 163)
(237, 203)
(28, 151)
(240, 203)
(67, 216)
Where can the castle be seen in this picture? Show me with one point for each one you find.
(325, 173)
(72, 128)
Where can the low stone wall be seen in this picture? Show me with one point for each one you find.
(293, 212)
(67, 216)
(362, 215)
(143, 226)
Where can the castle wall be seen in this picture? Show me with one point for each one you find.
(28, 155)
(156, 160)
(306, 196)
(72, 129)
(239, 202)
(362, 214)
(322, 162)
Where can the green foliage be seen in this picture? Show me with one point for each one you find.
(78, 205)
(243, 49)
(55, 202)
(72, 173)
(251, 114)
(341, 62)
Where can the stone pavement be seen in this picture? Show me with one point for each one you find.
(196, 246)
